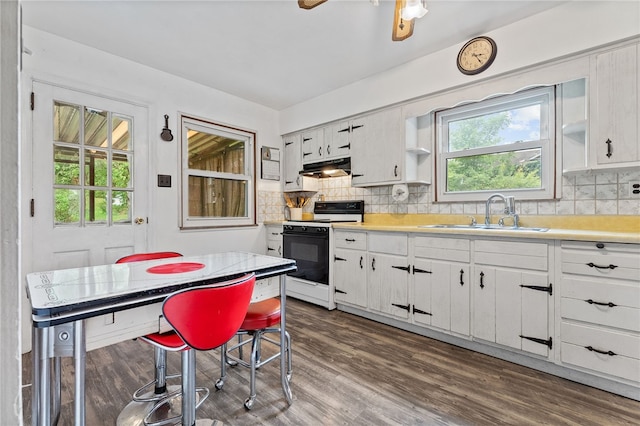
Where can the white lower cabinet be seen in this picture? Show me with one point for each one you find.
(388, 274)
(440, 281)
(350, 268)
(512, 296)
(600, 328)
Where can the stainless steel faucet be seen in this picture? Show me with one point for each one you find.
(509, 209)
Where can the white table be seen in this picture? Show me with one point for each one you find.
(62, 300)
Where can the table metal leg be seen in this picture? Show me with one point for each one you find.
(57, 389)
(79, 357)
(286, 388)
(41, 392)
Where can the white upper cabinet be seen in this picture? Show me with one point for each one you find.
(377, 158)
(338, 137)
(614, 108)
(293, 165)
(312, 146)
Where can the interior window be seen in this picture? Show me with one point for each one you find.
(217, 175)
(504, 144)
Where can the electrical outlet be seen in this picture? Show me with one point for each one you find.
(634, 189)
(164, 181)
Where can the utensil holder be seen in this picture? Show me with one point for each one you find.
(296, 213)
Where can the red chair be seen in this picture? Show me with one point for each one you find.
(260, 320)
(203, 318)
(144, 396)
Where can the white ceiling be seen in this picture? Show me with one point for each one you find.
(269, 51)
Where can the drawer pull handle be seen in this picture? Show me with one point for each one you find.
(593, 265)
(592, 349)
(350, 240)
(593, 302)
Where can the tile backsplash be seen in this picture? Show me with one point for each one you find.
(588, 194)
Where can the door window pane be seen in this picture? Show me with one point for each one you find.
(66, 165)
(66, 122)
(67, 206)
(95, 167)
(120, 206)
(121, 170)
(95, 127)
(96, 208)
(120, 133)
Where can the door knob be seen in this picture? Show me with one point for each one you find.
(139, 220)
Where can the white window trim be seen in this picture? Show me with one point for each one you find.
(546, 144)
(188, 222)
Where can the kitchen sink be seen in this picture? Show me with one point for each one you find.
(482, 226)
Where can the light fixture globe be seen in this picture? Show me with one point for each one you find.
(414, 9)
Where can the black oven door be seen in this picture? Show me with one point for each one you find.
(310, 250)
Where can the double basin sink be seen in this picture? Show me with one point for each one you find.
(483, 226)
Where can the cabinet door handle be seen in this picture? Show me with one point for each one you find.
(593, 265)
(609, 149)
(600, 245)
(373, 263)
(395, 171)
(461, 276)
(320, 151)
(592, 349)
(328, 149)
(361, 259)
(481, 279)
(593, 302)
(298, 180)
(280, 250)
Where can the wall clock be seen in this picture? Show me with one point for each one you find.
(477, 55)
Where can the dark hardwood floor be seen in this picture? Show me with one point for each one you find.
(352, 371)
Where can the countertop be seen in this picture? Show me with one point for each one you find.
(617, 229)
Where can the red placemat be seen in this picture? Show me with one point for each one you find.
(175, 268)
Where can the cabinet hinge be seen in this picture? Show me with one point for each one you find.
(548, 289)
(415, 270)
(402, 268)
(33, 101)
(32, 207)
(340, 291)
(420, 311)
(549, 342)
(405, 307)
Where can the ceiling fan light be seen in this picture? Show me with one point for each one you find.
(414, 9)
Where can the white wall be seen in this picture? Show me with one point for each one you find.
(572, 27)
(61, 61)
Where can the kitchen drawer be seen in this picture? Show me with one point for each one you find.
(453, 249)
(624, 361)
(601, 260)
(391, 243)
(350, 240)
(274, 232)
(513, 254)
(266, 288)
(621, 317)
(622, 293)
(108, 329)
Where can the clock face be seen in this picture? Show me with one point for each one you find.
(476, 55)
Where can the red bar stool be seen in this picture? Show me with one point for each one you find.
(145, 397)
(203, 318)
(260, 320)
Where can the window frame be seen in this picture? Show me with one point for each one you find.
(546, 144)
(188, 122)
